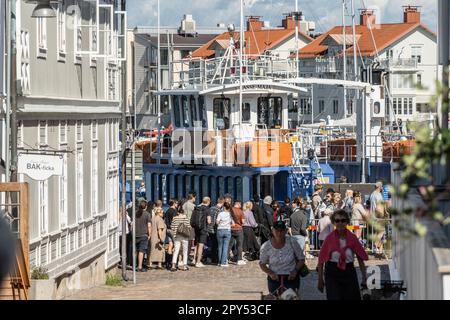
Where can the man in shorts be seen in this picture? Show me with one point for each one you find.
(143, 232)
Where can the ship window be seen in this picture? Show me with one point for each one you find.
(239, 189)
(270, 111)
(193, 110)
(221, 186)
(246, 112)
(202, 110)
(221, 111)
(377, 107)
(230, 185)
(185, 108)
(176, 111)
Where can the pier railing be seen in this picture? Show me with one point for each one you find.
(375, 236)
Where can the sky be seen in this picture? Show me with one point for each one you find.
(325, 13)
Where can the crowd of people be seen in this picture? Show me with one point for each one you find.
(279, 236)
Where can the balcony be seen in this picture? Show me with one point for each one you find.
(401, 63)
(326, 65)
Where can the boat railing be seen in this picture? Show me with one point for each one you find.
(226, 70)
(331, 146)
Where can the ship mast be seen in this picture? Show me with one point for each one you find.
(344, 56)
(241, 45)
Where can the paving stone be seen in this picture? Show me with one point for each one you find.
(209, 283)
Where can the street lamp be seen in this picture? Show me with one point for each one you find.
(43, 9)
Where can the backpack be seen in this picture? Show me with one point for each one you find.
(184, 229)
(196, 218)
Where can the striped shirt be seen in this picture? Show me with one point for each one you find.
(177, 220)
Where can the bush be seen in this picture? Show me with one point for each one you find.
(39, 274)
(113, 281)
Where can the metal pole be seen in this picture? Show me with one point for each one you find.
(355, 60)
(363, 137)
(133, 196)
(312, 104)
(158, 98)
(133, 212)
(8, 86)
(296, 39)
(344, 56)
(242, 42)
(13, 93)
(444, 58)
(124, 159)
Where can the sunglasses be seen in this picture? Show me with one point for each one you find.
(341, 221)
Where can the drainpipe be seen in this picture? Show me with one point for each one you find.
(13, 87)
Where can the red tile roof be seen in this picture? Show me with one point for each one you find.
(383, 34)
(257, 41)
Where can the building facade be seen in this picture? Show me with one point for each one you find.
(68, 104)
(402, 57)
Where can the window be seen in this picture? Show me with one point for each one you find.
(305, 106)
(405, 105)
(176, 110)
(63, 194)
(185, 54)
(25, 71)
(63, 132)
(399, 105)
(335, 106)
(410, 106)
(416, 53)
(112, 84)
(79, 195)
(41, 27)
(221, 113)
(94, 130)
(61, 30)
(246, 112)
(43, 206)
(94, 181)
(321, 106)
(164, 57)
(377, 107)
(202, 111)
(394, 106)
(193, 108)
(43, 133)
(79, 131)
(186, 113)
(350, 107)
(419, 80)
(270, 112)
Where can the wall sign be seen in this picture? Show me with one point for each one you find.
(40, 167)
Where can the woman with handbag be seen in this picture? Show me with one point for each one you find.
(337, 256)
(181, 230)
(282, 259)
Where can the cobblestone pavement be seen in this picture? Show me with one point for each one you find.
(209, 283)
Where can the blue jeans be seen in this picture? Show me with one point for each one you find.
(223, 237)
(300, 240)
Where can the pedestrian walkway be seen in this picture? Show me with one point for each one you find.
(209, 283)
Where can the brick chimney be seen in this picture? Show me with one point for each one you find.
(289, 23)
(411, 14)
(367, 17)
(253, 23)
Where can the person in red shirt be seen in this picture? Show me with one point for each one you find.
(237, 233)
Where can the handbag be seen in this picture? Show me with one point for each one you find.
(184, 229)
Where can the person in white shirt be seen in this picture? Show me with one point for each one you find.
(224, 223)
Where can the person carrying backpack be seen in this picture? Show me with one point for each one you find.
(200, 225)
